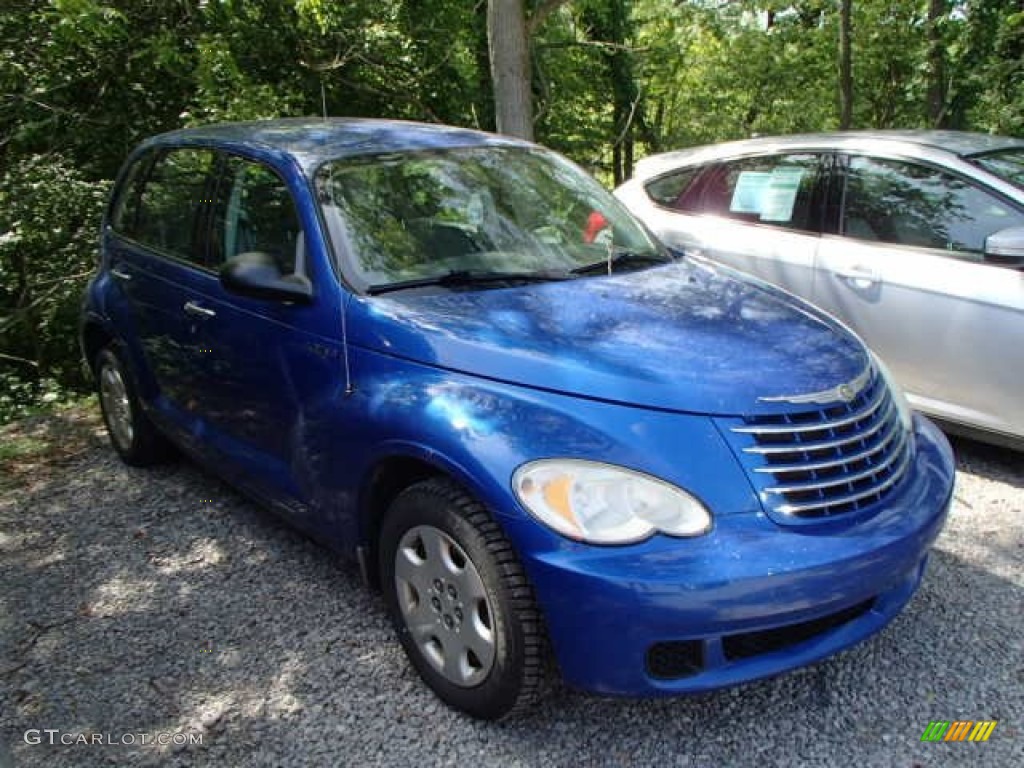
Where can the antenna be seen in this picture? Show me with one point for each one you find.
(349, 389)
(323, 97)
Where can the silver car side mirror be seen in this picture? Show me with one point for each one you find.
(1006, 248)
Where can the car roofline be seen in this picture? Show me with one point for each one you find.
(948, 143)
(315, 140)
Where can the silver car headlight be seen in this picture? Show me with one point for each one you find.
(902, 404)
(605, 504)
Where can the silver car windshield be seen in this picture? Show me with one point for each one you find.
(1007, 164)
(488, 211)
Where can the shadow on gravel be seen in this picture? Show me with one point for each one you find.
(989, 461)
(147, 601)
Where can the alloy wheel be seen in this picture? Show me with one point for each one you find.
(445, 606)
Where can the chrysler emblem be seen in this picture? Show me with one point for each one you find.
(844, 392)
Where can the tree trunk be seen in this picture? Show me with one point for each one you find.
(845, 67)
(484, 101)
(936, 65)
(510, 68)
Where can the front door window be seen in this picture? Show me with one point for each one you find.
(910, 204)
(255, 212)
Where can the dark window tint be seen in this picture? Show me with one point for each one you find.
(666, 190)
(908, 204)
(778, 190)
(1007, 164)
(172, 199)
(125, 211)
(255, 212)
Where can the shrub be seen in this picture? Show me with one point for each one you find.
(49, 223)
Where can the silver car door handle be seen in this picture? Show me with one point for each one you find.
(120, 275)
(194, 308)
(860, 275)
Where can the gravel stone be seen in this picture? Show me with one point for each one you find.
(129, 605)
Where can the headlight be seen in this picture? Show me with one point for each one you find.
(605, 504)
(902, 404)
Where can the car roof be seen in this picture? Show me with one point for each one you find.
(916, 142)
(311, 141)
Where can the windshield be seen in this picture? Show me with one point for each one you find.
(1007, 164)
(406, 217)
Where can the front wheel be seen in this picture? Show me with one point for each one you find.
(460, 602)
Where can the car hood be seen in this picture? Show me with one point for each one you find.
(686, 337)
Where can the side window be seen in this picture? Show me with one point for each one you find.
(124, 212)
(777, 190)
(908, 204)
(170, 203)
(255, 212)
(668, 189)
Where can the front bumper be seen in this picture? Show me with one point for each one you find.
(748, 600)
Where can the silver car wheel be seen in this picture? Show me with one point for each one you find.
(116, 406)
(444, 605)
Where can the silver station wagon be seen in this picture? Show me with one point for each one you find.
(915, 239)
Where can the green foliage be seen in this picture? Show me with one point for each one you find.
(997, 82)
(82, 81)
(49, 222)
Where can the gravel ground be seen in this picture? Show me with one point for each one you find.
(136, 602)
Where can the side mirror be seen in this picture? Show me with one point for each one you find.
(256, 274)
(1005, 248)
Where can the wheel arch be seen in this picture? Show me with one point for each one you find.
(95, 337)
(392, 471)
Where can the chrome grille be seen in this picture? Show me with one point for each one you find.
(826, 461)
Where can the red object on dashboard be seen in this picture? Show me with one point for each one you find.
(595, 223)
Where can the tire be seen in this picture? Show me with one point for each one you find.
(460, 602)
(131, 433)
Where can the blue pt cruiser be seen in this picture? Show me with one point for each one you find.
(553, 444)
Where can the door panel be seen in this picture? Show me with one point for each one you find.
(761, 215)
(157, 292)
(262, 373)
(948, 324)
(157, 253)
(950, 330)
(264, 367)
(781, 257)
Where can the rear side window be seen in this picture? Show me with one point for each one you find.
(125, 209)
(666, 190)
(1008, 164)
(890, 201)
(254, 211)
(164, 209)
(779, 191)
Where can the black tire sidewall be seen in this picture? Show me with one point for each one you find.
(147, 446)
(499, 692)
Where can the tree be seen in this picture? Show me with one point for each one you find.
(936, 89)
(508, 35)
(510, 68)
(610, 27)
(845, 67)
(82, 81)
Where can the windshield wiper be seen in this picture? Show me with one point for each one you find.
(458, 277)
(623, 258)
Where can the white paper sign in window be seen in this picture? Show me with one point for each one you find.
(780, 193)
(749, 191)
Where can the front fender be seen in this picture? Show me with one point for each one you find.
(478, 431)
